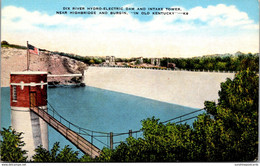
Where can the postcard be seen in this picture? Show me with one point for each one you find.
(129, 81)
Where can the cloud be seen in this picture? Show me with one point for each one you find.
(220, 15)
(212, 16)
(127, 35)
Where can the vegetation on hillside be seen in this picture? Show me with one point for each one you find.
(5, 44)
(219, 62)
(228, 131)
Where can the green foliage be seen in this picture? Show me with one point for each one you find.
(67, 155)
(137, 62)
(147, 60)
(105, 155)
(11, 146)
(91, 61)
(222, 63)
(237, 115)
(55, 154)
(97, 60)
(160, 143)
(86, 158)
(229, 131)
(4, 42)
(7, 45)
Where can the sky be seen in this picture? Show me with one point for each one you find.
(208, 27)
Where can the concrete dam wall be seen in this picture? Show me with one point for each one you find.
(178, 87)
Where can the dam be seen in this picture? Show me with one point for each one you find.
(186, 88)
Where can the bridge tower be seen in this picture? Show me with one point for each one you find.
(29, 89)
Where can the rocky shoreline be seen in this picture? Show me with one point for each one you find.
(13, 59)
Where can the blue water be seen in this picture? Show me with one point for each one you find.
(100, 110)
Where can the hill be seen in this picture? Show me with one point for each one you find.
(15, 59)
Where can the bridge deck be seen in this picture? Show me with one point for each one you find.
(81, 143)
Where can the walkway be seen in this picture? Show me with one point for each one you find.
(81, 143)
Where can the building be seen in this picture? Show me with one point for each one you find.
(140, 59)
(156, 61)
(171, 65)
(110, 61)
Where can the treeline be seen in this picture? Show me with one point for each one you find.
(6, 44)
(221, 62)
(127, 60)
(217, 63)
(87, 59)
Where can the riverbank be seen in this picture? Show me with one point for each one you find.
(185, 88)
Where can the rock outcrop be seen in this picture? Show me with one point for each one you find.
(13, 59)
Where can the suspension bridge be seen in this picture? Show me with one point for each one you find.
(77, 135)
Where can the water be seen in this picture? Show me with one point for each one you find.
(100, 110)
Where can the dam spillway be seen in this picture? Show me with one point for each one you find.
(187, 88)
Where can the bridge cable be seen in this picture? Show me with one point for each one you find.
(84, 131)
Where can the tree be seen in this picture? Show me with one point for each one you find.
(86, 60)
(4, 42)
(164, 62)
(221, 66)
(91, 61)
(137, 62)
(97, 60)
(237, 115)
(11, 146)
(55, 154)
(147, 60)
(182, 64)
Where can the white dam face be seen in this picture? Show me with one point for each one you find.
(185, 88)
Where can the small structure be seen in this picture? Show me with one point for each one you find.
(110, 61)
(156, 61)
(140, 59)
(29, 89)
(238, 53)
(171, 65)
(107, 59)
